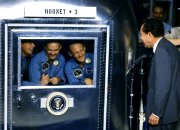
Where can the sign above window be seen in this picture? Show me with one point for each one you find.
(66, 12)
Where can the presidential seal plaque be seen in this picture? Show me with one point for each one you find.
(57, 103)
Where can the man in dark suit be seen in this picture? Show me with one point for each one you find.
(163, 100)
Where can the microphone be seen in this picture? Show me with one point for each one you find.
(137, 61)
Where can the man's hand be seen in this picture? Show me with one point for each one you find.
(44, 79)
(55, 80)
(153, 119)
(88, 81)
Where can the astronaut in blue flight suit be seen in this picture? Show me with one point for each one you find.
(47, 66)
(79, 69)
(27, 47)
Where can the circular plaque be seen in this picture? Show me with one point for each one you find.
(57, 103)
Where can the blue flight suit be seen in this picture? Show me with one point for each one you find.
(40, 65)
(24, 71)
(76, 74)
(24, 66)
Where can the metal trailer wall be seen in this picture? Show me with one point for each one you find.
(113, 101)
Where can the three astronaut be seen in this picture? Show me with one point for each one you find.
(49, 67)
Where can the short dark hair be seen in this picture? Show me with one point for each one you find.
(26, 40)
(158, 6)
(51, 40)
(154, 26)
(75, 42)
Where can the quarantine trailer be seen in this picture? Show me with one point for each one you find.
(108, 30)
